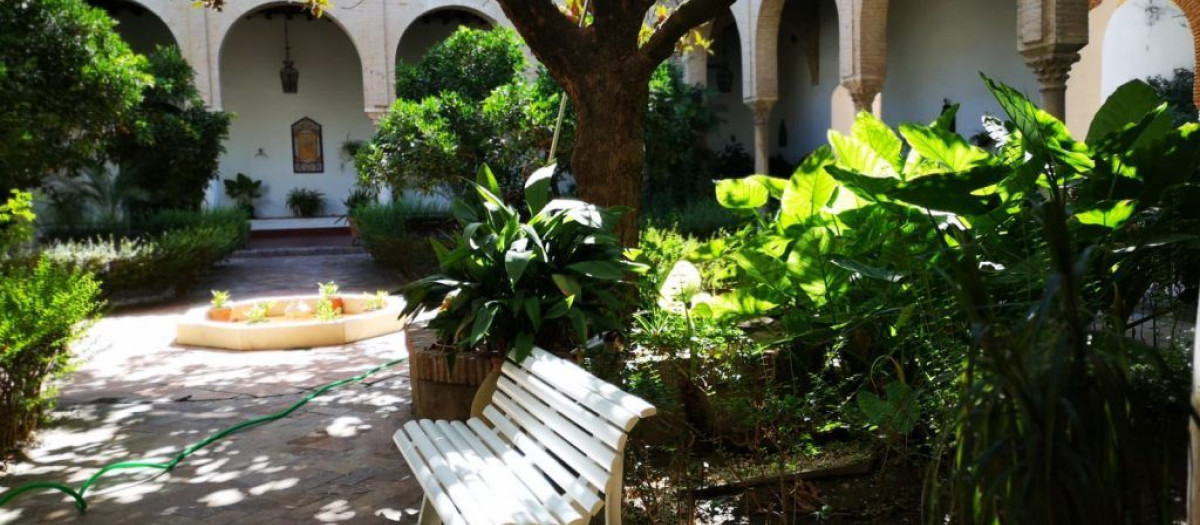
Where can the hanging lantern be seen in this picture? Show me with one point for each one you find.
(288, 74)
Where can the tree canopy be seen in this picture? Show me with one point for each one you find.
(69, 83)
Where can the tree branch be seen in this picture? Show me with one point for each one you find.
(689, 15)
(551, 36)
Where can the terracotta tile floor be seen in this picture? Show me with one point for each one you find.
(136, 395)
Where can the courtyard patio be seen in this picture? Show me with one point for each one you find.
(138, 396)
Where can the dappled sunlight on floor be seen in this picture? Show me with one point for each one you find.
(138, 396)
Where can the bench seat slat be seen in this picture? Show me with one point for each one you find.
(603, 420)
(564, 451)
(573, 486)
(544, 364)
(561, 507)
(437, 474)
(426, 472)
(565, 428)
(468, 467)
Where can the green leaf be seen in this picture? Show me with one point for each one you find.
(740, 303)
(865, 270)
(1125, 107)
(857, 156)
(742, 194)
(1109, 214)
(606, 270)
(952, 192)
(946, 119)
(567, 285)
(533, 310)
(810, 188)
(523, 346)
(516, 259)
(483, 323)
(579, 322)
(774, 185)
(870, 188)
(487, 180)
(879, 137)
(943, 146)
(559, 309)
(537, 188)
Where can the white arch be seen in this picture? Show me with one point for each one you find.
(353, 25)
(168, 18)
(488, 10)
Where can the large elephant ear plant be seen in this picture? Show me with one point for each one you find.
(552, 275)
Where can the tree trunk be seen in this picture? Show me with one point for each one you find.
(610, 146)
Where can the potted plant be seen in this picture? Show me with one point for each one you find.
(329, 293)
(244, 190)
(220, 310)
(552, 275)
(304, 202)
(359, 196)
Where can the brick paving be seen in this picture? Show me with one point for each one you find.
(136, 395)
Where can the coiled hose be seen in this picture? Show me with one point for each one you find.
(79, 495)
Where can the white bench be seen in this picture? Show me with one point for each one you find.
(544, 446)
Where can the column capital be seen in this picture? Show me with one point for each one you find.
(1052, 68)
(761, 107)
(375, 114)
(863, 91)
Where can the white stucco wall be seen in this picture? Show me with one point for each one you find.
(735, 119)
(804, 107)
(936, 49)
(1144, 38)
(330, 92)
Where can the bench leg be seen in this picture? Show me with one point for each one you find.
(429, 516)
(614, 495)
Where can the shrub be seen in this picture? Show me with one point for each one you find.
(305, 202)
(178, 248)
(387, 232)
(506, 283)
(43, 309)
(171, 150)
(462, 106)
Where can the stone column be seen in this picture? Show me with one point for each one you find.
(762, 132)
(862, 49)
(375, 114)
(1050, 35)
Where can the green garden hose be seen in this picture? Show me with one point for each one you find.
(81, 503)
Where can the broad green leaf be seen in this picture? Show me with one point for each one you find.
(871, 188)
(857, 156)
(579, 322)
(946, 119)
(871, 131)
(1044, 136)
(810, 188)
(945, 147)
(533, 310)
(558, 309)
(537, 188)
(606, 270)
(952, 192)
(774, 185)
(739, 303)
(485, 178)
(865, 270)
(483, 323)
(516, 260)
(742, 194)
(1125, 107)
(1110, 214)
(523, 346)
(567, 285)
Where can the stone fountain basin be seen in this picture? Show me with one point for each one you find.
(279, 333)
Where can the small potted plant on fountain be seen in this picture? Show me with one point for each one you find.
(329, 292)
(551, 275)
(220, 310)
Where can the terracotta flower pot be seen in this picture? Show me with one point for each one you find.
(338, 303)
(220, 314)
